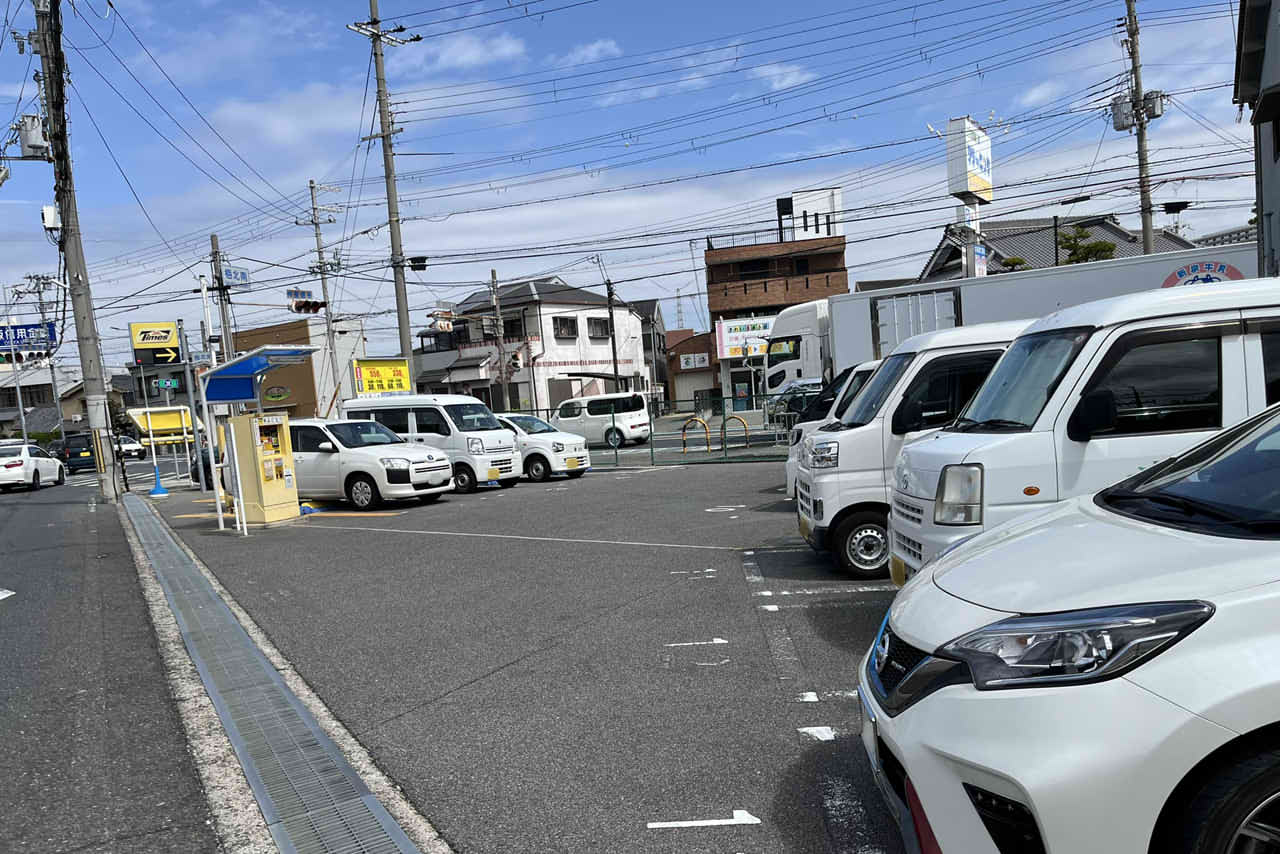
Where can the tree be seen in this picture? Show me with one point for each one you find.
(1081, 249)
(1014, 263)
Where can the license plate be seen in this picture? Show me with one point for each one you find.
(493, 474)
(805, 528)
(84, 453)
(897, 570)
(571, 463)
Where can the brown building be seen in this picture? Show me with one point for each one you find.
(307, 390)
(693, 371)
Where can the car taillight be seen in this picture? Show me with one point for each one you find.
(13, 464)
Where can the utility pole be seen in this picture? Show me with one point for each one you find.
(53, 67)
(323, 268)
(373, 30)
(185, 352)
(502, 346)
(17, 375)
(37, 287)
(613, 339)
(224, 300)
(1140, 118)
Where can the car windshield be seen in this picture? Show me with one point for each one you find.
(1229, 485)
(472, 417)
(362, 434)
(856, 382)
(10, 452)
(1022, 382)
(877, 390)
(531, 425)
(782, 350)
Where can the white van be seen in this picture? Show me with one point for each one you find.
(480, 449)
(842, 483)
(611, 419)
(829, 406)
(1085, 397)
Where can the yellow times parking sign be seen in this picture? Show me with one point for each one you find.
(378, 377)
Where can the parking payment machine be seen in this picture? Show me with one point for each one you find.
(264, 462)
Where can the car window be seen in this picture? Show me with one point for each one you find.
(430, 420)
(472, 417)
(599, 407)
(307, 439)
(36, 451)
(363, 434)
(570, 410)
(1020, 386)
(395, 420)
(78, 442)
(11, 451)
(936, 395)
(358, 414)
(867, 405)
(1271, 365)
(1153, 397)
(532, 425)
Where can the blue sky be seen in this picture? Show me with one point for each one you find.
(586, 125)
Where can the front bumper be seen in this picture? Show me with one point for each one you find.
(572, 461)
(502, 465)
(1069, 755)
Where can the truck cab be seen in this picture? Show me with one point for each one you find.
(842, 481)
(798, 346)
(1086, 397)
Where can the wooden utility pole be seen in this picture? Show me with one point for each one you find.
(53, 65)
(322, 268)
(613, 339)
(502, 346)
(224, 300)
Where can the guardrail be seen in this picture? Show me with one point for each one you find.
(724, 432)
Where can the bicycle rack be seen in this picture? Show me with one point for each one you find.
(684, 447)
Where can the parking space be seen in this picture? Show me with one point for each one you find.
(645, 659)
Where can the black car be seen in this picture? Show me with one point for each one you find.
(76, 452)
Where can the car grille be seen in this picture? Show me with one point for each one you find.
(907, 546)
(803, 497)
(1012, 827)
(580, 457)
(503, 465)
(906, 510)
(901, 659)
(427, 468)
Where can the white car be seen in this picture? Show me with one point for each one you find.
(611, 419)
(1102, 676)
(127, 446)
(364, 462)
(545, 450)
(28, 465)
(829, 406)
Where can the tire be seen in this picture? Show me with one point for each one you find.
(464, 479)
(509, 482)
(575, 474)
(430, 499)
(1243, 793)
(613, 438)
(363, 492)
(62, 476)
(537, 469)
(860, 545)
(35, 481)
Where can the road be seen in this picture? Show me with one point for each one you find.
(619, 663)
(94, 756)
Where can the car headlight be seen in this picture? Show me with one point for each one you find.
(394, 462)
(796, 435)
(475, 446)
(558, 447)
(825, 455)
(959, 499)
(1075, 646)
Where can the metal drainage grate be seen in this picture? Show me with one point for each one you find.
(311, 798)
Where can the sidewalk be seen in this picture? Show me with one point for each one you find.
(94, 756)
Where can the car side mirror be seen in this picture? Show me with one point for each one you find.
(326, 447)
(1095, 414)
(908, 417)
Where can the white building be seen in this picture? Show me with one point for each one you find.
(556, 342)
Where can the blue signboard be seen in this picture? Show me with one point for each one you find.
(28, 335)
(235, 277)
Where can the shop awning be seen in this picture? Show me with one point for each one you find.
(237, 381)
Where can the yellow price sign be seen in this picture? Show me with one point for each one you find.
(376, 377)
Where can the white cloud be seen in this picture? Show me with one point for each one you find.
(590, 52)
(1041, 93)
(780, 75)
(457, 53)
(308, 117)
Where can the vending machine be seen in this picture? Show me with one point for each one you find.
(264, 463)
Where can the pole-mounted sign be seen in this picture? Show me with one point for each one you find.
(155, 343)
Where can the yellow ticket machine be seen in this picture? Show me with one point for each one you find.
(264, 463)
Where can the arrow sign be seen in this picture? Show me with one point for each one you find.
(167, 355)
(739, 817)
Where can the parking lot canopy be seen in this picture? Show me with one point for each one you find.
(237, 380)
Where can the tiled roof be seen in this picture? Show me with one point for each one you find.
(551, 289)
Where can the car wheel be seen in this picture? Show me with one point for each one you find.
(509, 482)
(1237, 811)
(575, 474)
(464, 479)
(35, 481)
(363, 492)
(861, 545)
(613, 438)
(430, 499)
(62, 477)
(537, 469)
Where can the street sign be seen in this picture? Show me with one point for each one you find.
(235, 277)
(298, 293)
(381, 377)
(205, 358)
(155, 343)
(165, 383)
(19, 335)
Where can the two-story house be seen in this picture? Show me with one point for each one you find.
(555, 339)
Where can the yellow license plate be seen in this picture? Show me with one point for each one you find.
(897, 570)
(805, 528)
(84, 453)
(571, 463)
(493, 474)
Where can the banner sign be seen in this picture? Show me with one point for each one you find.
(751, 333)
(382, 377)
(1203, 273)
(40, 335)
(693, 361)
(155, 343)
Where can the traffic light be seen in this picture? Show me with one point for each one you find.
(19, 356)
(306, 306)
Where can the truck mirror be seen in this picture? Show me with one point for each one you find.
(908, 417)
(1095, 414)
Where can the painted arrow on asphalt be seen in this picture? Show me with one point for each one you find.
(712, 642)
(739, 817)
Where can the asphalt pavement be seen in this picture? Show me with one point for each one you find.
(93, 756)
(640, 660)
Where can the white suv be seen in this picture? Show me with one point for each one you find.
(364, 462)
(1102, 676)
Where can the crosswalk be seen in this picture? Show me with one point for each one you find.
(141, 477)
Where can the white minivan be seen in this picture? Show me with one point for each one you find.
(842, 483)
(829, 406)
(611, 419)
(480, 449)
(1085, 397)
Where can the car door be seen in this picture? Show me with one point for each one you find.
(569, 419)
(1169, 387)
(522, 440)
(39, 462)
(431, 427)
(319, 472)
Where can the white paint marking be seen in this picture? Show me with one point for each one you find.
(712, 642)
(842, 588)
(93, 508)
(739, 817)
(751, 571)
(748, 552)
(818, 733)
(5, 594)
(712, 663)
(320, 526)
(807, 696)
(724, 508)
(768, 607)
(733, 517)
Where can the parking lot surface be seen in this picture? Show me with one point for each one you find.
(640, 660)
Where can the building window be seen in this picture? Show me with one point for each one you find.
(758, 269)
(597, 327)
(802, 266)
(513, 327)
(565, 327)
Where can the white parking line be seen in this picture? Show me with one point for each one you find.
(324, 527)
(712, 642)
(739, 817)
(818, 733)
(5, 594)
(886, 587)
